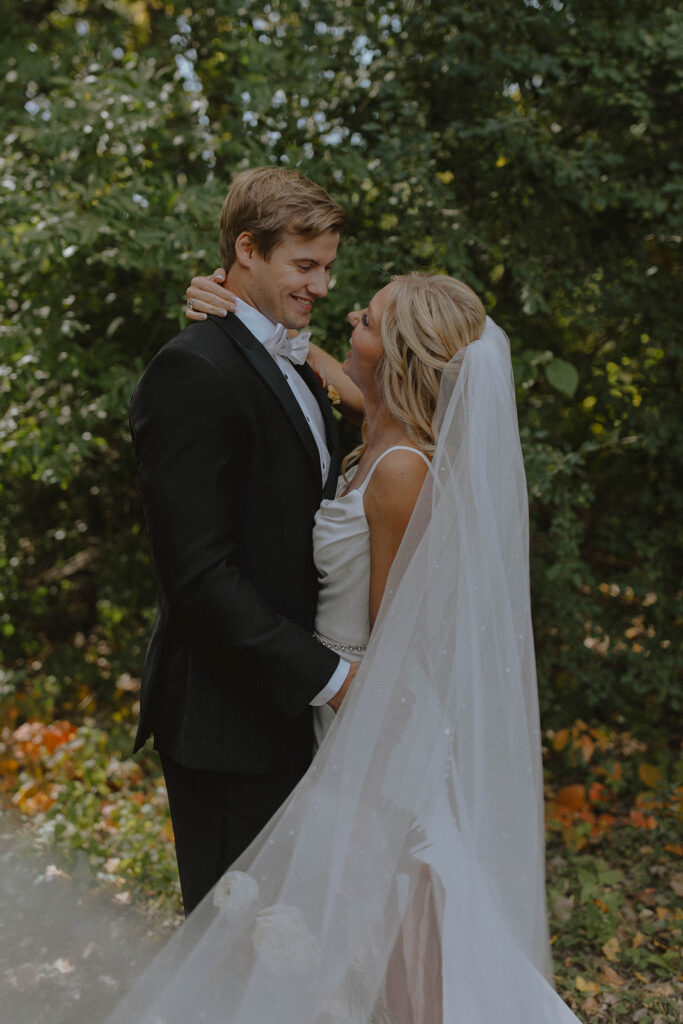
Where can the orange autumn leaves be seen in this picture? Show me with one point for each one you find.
(573, 805)
(26, 762)
(583, 811)
(607, 765)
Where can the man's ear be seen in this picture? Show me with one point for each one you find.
(245, 250)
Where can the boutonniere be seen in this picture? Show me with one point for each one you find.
(329, 389)
(333, 394)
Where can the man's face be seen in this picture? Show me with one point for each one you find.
(285, 287)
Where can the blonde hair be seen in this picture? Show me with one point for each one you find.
(427, 319)
(270, 202)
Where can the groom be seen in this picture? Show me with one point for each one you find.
(236, 446)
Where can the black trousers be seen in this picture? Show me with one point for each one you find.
(215, 816)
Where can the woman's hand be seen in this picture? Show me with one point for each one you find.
(207, 295)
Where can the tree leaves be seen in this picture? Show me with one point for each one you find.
(539, 165)
(563, 376)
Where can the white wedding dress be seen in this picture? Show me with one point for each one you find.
(341, 552)
(419, 988)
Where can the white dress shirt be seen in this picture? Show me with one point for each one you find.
(262, 328)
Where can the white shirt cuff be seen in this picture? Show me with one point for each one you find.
(334, 685)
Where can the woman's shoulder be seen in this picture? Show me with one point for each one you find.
(400, 460)
(397, 476)
(392, 494)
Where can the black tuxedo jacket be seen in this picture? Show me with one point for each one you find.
(230, 482)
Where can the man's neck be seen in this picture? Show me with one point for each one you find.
(253, 319)
(233, 283)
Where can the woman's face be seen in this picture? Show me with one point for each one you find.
(366, 341)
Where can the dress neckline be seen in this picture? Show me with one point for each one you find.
(396, 447)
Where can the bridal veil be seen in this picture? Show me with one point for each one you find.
(403, 880)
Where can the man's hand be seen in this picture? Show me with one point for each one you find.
(335, 703)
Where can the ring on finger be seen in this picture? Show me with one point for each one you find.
(190, 304)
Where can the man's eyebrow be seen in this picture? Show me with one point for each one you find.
(310, 259)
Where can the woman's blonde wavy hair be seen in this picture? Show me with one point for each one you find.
(427, 319)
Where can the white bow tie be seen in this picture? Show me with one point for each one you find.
(295, 349)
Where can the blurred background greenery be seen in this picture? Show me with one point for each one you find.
(528, 147)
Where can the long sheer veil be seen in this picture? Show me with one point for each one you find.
(403, 880)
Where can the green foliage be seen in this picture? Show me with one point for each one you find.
(83, 793)
(538, 162)
(616, 931)
(124, 828)
(613, 809)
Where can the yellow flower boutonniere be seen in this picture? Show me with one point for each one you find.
(329, 389)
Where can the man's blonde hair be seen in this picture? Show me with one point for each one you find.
(271, 202)
(426, 320)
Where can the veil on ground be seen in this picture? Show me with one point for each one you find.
(403, 880)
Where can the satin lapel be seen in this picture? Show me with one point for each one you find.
(269, 371)
(332, 433)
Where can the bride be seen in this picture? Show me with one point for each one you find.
(402, 882)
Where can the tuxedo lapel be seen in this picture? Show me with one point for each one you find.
(266, 367)
(312, 380)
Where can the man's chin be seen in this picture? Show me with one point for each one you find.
(300, 317)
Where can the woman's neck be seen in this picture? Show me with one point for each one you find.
(382, 428)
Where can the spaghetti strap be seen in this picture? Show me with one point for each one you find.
(395, 448)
